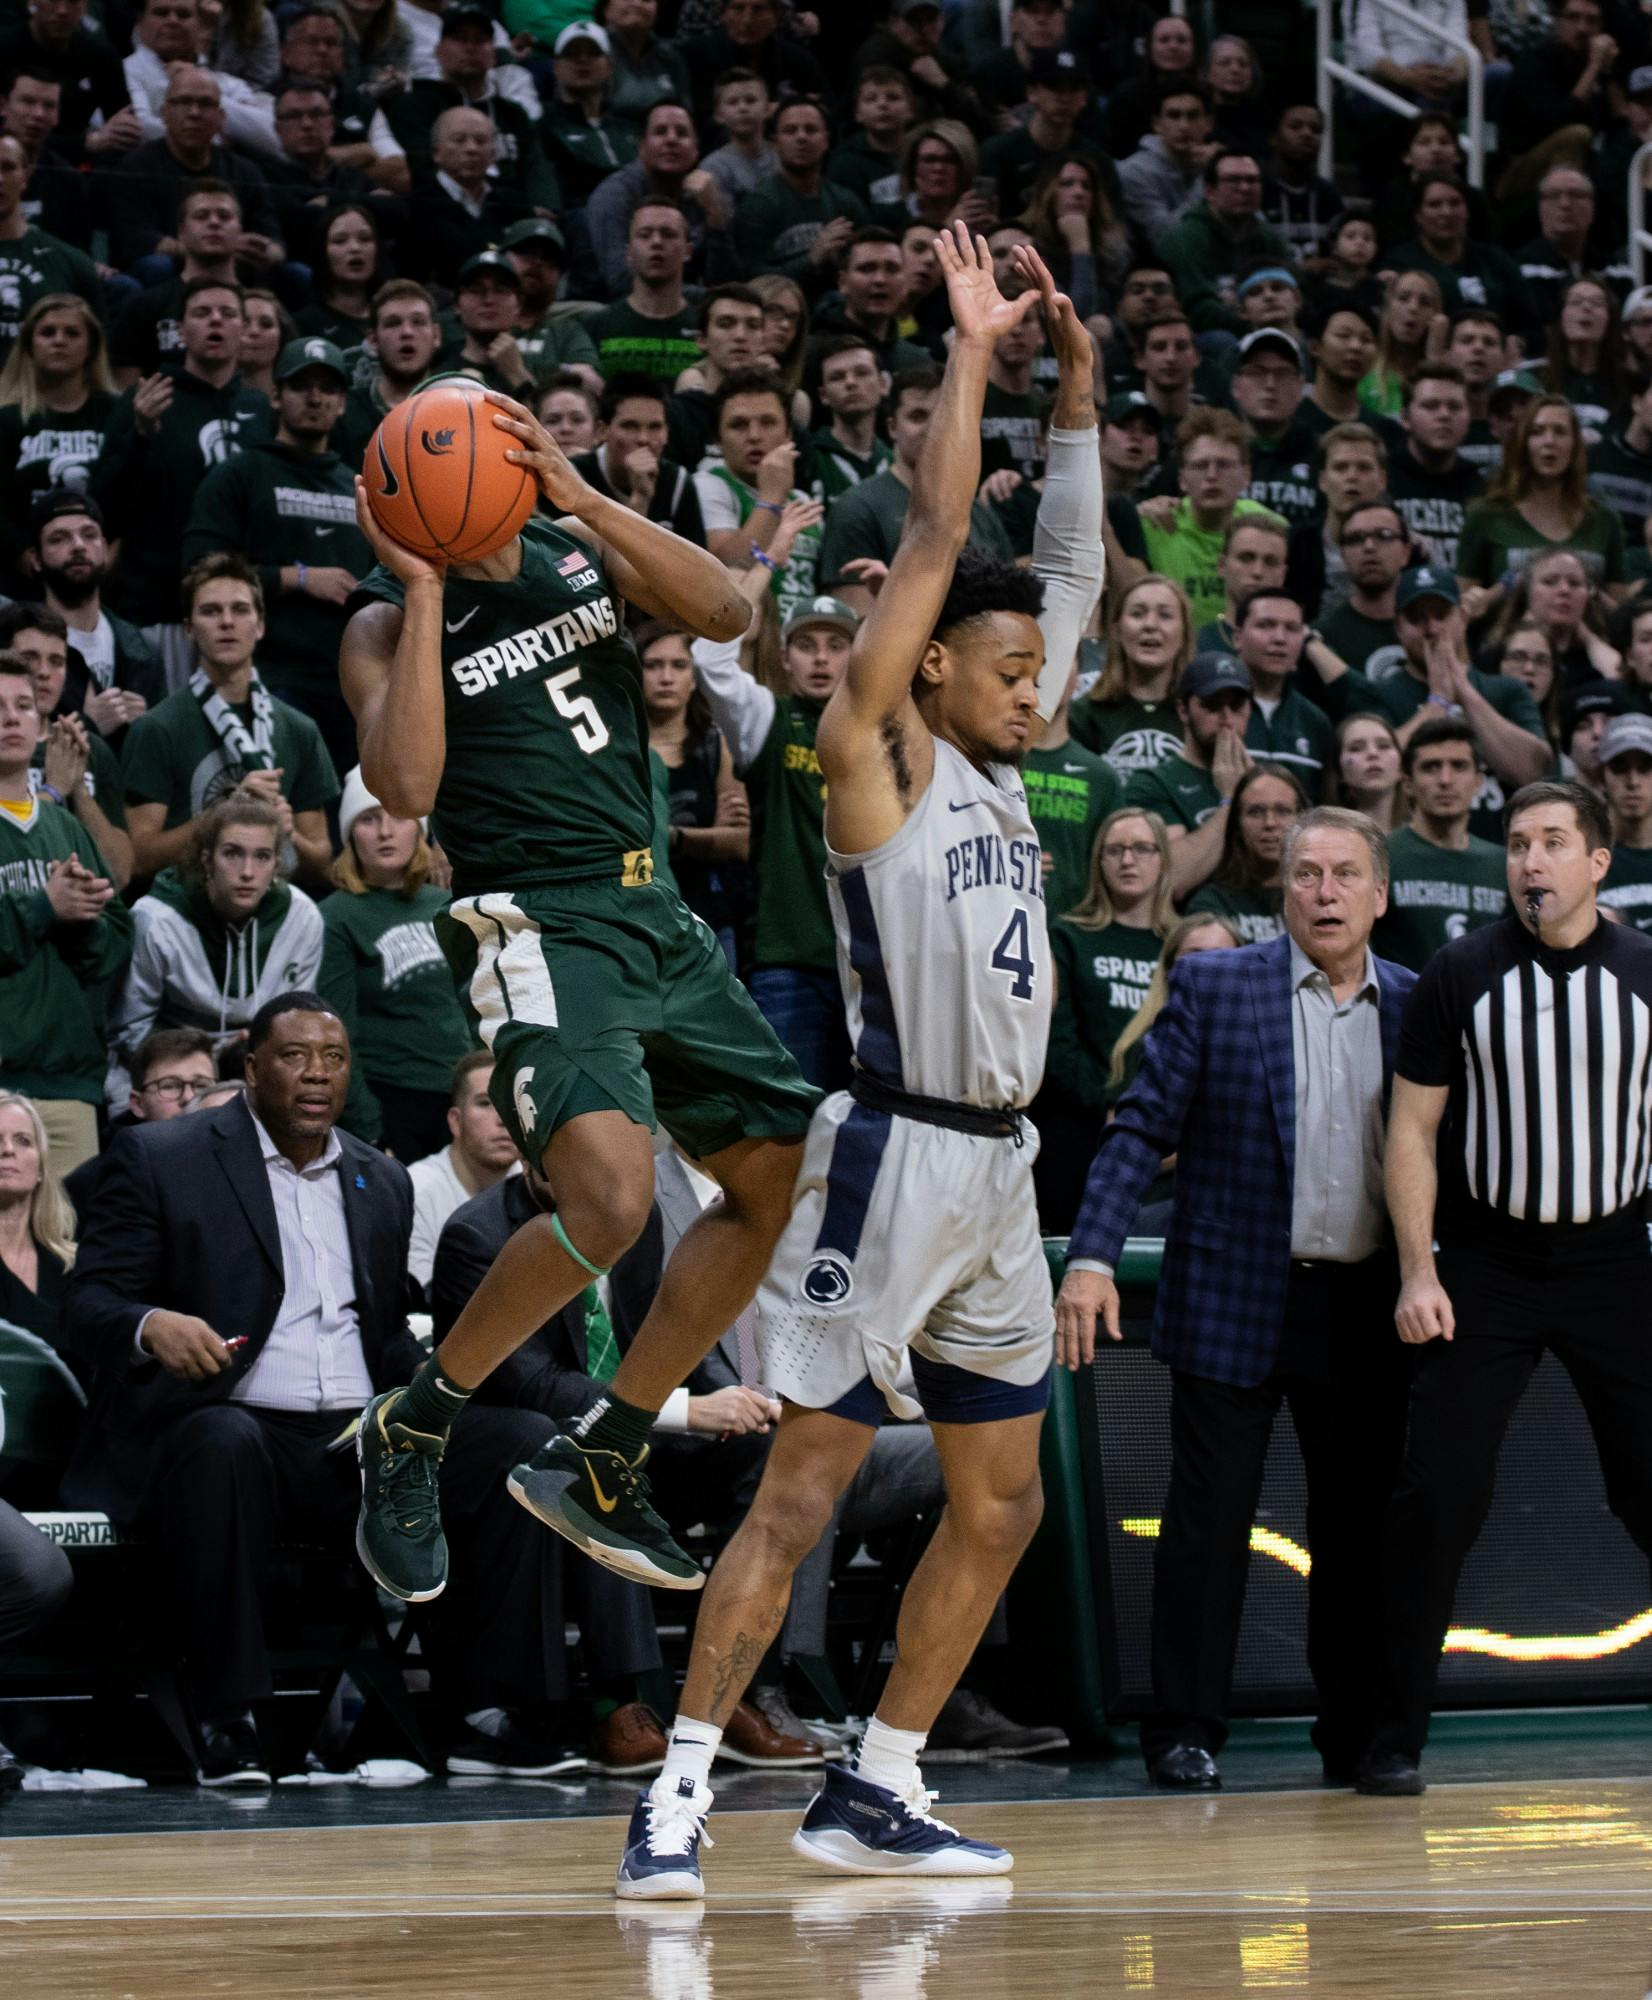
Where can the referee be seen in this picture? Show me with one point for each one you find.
(1519, 1139)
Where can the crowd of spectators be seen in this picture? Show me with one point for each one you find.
(1377, 450)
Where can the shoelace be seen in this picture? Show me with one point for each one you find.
(674, 1825)
(411, 1474)
(918, 1800)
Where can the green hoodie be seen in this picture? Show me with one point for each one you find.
(52, 974)
(284, 506)
(1205, 259)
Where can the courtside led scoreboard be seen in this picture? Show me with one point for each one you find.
(1554, 1605)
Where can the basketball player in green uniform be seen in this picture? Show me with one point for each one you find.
(505, 697)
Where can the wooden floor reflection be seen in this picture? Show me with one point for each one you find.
(1472, 1890)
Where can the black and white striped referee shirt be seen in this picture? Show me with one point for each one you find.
(1548, 1055)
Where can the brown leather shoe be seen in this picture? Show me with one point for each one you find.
(628, 1742)
(751, 1738)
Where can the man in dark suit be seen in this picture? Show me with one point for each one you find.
(240, 1292)
(1267, 1075)
(705, 1459)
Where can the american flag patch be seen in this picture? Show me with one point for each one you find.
(578, 560)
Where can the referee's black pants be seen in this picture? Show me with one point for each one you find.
(1587, 1294)
(1343, 1371)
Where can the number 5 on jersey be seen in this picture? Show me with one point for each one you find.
(1012, 954)
(589, 730)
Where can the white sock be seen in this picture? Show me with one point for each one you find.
(889, 1757)
(688, 1754)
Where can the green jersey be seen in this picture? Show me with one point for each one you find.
(1182, 794)
(1257, 914)
(788, 842)
(1101, 980)
(1012, 431)
(1070, 791)
(1437, 893)
(53, 975)
(1628, 886)
(546, 777)
(727, 502)
(1132, 735)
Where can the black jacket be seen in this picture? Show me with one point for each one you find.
(547, 1372)
(183, 1220)
(144, 190)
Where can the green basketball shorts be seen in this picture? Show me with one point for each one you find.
(597, 997)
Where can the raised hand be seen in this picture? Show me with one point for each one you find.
(402, 563)
(540, 453)
(1063, 325)
(979, 310)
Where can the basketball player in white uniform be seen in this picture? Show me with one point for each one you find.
(914, 1235)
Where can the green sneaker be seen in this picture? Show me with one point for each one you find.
(599, 1502)
(399, 1530)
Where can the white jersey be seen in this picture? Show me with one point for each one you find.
(942, 943)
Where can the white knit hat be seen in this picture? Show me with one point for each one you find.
(355, 800)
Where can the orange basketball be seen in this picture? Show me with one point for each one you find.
(438, 480)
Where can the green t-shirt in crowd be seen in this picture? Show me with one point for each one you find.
(1628, 886)
(1492, 535)
(1370, 646)
(1401, 695)
(1181, 793)
(775, 227)
(36, 264)
(868, 521)
(788, 842)
(102, 780)
(1101, 980)
(1133, 735)
(174, 757)
(629, 342)
(1258, 914)
(1191, 556)
(1070, 791)
(385, 976)
(1436, 894)
(1435, 504)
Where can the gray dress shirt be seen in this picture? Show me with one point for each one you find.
(313, 1359)
(1337, 1209)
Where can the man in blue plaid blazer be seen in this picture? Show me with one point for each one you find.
(1267, 1075)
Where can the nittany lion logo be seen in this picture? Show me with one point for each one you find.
(437, 443)
(827, 1280)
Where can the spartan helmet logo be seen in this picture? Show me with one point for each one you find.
(827, 1279)
(522, 1098)
(316, 349)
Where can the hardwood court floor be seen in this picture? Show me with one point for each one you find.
(1481, 1889)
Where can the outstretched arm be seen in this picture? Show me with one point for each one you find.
(870, 789)
(1067, 540)
(651, 567)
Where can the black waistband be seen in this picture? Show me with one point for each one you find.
(877, 1095)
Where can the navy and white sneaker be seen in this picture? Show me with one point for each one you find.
(662, 1844)
(867, 1829)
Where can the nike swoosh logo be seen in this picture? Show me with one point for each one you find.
(392, 485)
(459, 624)
(1072, 767)
(603, 1501)
(953, 805)
(327, 531)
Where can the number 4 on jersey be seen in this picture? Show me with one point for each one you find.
(1013, 954)
(589, 730)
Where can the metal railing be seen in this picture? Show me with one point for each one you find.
(1332, 72)
(1639, 239)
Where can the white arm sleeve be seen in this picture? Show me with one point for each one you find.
(743, 709)
(1067, 554)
